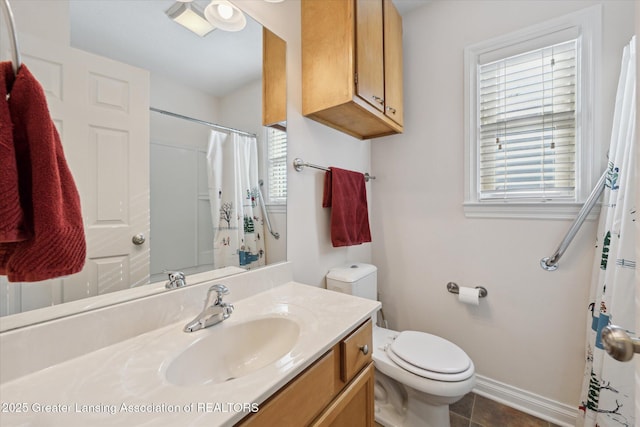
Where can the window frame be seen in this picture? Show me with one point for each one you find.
(586, 24)
(272, 204)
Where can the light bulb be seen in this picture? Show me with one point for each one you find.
(225, 11)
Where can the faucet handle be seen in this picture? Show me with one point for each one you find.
(227, 309)
(220, 289)
(176, 279)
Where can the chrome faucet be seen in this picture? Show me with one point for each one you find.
(214, 311)
(176, 279)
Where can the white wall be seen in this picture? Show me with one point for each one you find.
(50, 23)
(529, 332)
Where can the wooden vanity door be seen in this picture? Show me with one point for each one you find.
(354, 407)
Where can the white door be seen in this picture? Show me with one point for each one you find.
(101, 110)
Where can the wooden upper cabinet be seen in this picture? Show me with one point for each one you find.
(370, 52)
(393, 63)
(352, 66)
(274, 79)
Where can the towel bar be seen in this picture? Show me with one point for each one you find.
(299, 164)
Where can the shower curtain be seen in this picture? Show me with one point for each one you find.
(232, 173)
(607, 397)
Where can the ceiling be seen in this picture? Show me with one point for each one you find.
(139, 33)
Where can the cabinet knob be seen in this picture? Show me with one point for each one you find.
(378, 99)
(364, 349)
(391, 110)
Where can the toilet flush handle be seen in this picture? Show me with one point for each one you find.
(364, 349)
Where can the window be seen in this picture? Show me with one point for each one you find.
(276, 166)
(530, 120)
(527, 108)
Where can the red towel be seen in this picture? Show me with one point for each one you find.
(12, 222)
(345, 193)
(47, 191)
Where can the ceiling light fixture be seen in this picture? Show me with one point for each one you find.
(225, 15)
(191, 17)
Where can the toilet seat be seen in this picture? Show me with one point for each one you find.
(430, 356)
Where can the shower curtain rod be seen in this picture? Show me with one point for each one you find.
(202, 122)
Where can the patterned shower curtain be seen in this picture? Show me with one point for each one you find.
(232, 173)
(607, 397)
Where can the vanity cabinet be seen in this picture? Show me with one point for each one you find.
(352, 66)
(336, 390)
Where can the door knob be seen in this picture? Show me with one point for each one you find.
(138, 239)
(618, 344)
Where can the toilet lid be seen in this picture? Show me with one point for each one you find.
(429, 356)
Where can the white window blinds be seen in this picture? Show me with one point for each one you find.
(277, 165)
(527, 125)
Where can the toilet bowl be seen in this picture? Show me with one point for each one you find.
(418, 391)
(417, 375)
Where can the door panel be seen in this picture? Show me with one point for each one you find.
(369, 52)
(393, 63)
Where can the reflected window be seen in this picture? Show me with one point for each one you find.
(276, 166)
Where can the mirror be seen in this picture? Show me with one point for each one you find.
(136, 53)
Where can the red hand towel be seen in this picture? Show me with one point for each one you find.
(12, 222)
(48, 193)
(346, 194)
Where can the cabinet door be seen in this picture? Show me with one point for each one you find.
(354, 407)
(393, 63)
(274, 79)
(369, 52)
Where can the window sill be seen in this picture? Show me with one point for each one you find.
(527, 210)
(277, 207)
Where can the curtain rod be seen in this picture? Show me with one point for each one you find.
(202, 122)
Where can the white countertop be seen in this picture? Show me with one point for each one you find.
(124, 384)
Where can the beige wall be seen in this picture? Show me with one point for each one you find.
(529, 332)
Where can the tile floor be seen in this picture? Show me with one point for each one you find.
(477, 411)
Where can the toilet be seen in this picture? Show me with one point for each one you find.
(417, 375)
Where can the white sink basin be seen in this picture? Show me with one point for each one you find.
(226, 352)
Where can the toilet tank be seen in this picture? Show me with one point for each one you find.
(357, 279)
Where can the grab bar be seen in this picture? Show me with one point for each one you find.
(275, 234)
(551, 263)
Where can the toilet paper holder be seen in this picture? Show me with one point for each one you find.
(455, 289)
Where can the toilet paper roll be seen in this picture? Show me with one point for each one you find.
(469, 296)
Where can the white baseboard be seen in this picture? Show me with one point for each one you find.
(525, 401)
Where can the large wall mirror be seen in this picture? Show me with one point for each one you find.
(178, 155)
